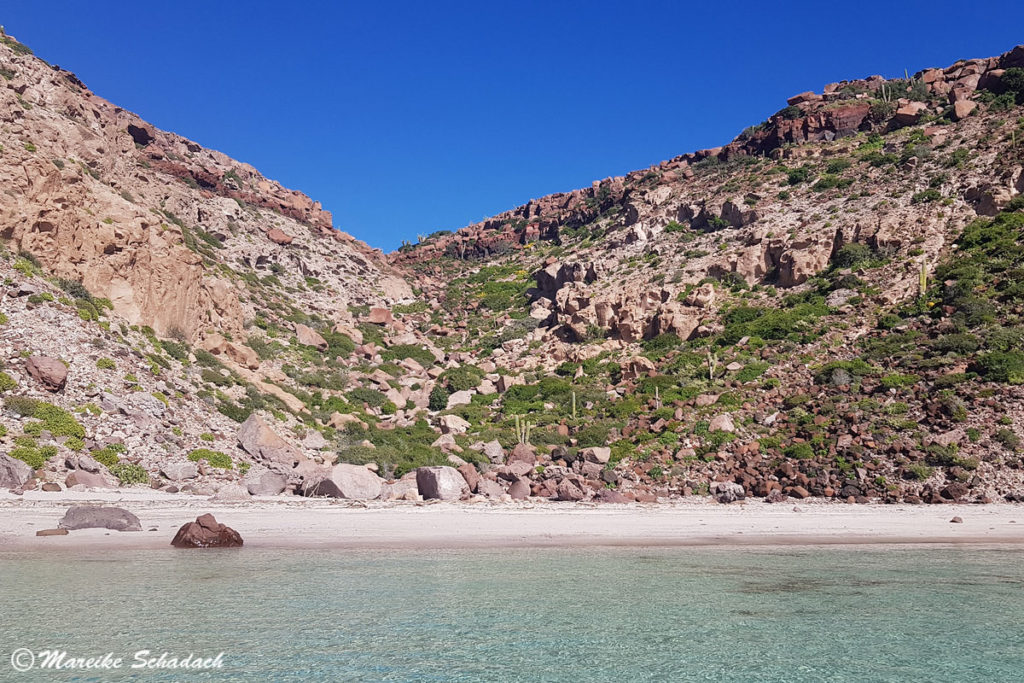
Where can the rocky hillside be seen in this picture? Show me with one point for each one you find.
(827, 306)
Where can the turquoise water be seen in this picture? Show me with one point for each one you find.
(808, 614)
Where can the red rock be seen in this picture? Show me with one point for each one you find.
(520, 489)
(49, 372)
(380, 316)
(206, 532)
(279, 236)
(523, 453)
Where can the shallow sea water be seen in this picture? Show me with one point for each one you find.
(684, 614)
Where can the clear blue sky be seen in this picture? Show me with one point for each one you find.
(409, 117)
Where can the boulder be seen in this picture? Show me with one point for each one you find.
(206, 532)
(307, 336)
(469, 473)
(441, 483)
(278, 236)
(722, 423)
(353, 482)
(342, 420)
(610, 496)
(520, 489)
(231, 493)
(88, 480)
(489, 488)
(598, 454)
(98, 517)
(380, 316)
(13, 473)
(727, 491)
(567, 490)
(453, 424)
(523, 452)
(261, 442)
(460, 398)
(260, 481)
(494, 452)
(178, 471)
(49, 372)
(52, 532)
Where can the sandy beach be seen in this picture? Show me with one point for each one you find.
(304, 523)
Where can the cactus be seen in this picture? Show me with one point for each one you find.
(657, 399)
(523, 431)
(712, 365)
(574, 405)
(922, 281)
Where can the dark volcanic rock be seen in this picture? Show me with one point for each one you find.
(206, 532)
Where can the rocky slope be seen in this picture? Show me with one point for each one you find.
(826, 306)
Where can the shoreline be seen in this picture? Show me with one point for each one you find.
(299, 523)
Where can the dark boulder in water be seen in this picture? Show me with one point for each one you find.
(206, 532)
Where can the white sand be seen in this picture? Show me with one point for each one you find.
(284, 522)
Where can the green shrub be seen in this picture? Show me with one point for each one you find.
(853, 255)
(462, 378)
(897, 380)
(917, 471)
(403, 351)
(130, 473)
(799, 451)
(213, 458)
(106, 364)
(1002, 366)
(55, 420)
(34, 456)
(438, 398)
(370, 397)
(7, 383)
(1008, 439)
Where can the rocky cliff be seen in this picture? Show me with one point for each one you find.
(150, 220)
(830, 305)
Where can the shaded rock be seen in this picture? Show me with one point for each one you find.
(610, 496)
(353, 482)
(597, 454)
(13, 473)
(470, 474)
(520, 489)
(260, 481)
(727, 491)
(49, 372)
(956, 520)
(278, 236)
(50, 487)
(52, 532)
(98, 517)
(264, 444)
(441, 483)
(206, 532)
(522, 452)
(567, 490)
(453, 424)
(489, 488)
(494, 452)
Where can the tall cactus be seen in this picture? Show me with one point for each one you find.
(523, 431)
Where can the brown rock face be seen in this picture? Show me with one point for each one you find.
(206, 532)
(49, 372)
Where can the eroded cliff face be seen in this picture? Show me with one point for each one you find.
(152, 221)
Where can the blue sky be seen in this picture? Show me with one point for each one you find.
(408, 117)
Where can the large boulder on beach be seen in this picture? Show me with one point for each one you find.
(262, 482)
(727, 491)
(441, 483)
(261, 442)
(89, 480)
(354, 482)
(206, 532)
(99, 517)
(13, 473)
